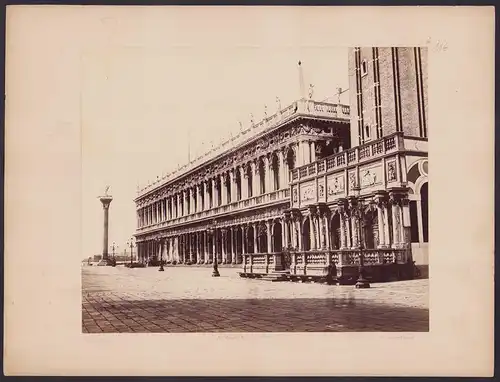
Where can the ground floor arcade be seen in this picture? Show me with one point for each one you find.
(309, 239)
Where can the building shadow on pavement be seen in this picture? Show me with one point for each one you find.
(249, 315)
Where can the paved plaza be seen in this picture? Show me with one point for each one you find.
(188, 299)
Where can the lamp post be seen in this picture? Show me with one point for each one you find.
(113, 249)
(362, 282)
(212, 231)
(130, 244)
(160, 243)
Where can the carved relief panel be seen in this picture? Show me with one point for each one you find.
(335, 186)
(295, 196)
(391, 171)
(353, 180)
(321, 190)
(370, 176)
(307, 193)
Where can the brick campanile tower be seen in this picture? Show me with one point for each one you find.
(388, 92)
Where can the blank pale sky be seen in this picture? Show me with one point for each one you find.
(148, 86)
(145, 85)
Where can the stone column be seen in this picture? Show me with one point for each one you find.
(224, 245)
(395, 224)
(269, 173)
(326, 233)
(286, 170)
(214, 247)
(313, 151)
(234, 252)
(234, 186)
(244, 183)
(420, 221)
(106, 201)
(199, 203)
(192, 200)
(186, 202)
(293, 239)
(317, 230)
(344, 232)
(255, 180)
(223, 189)
(299, 234)
(355, 230)
(281, 170)
(312, 233)
(179, 204)
(192, 243)
(206, 188)
(406, 223)
(205, 248)
(298, 158)
(283, 236)
(255, 236)
(215, 198)
(244, 238)
(269, 237)
(380, 221)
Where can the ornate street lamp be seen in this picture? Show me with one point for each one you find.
(113, 248)
(362, 282)
(130, 244)
(161, 255)
(211, 231)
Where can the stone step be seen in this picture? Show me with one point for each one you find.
(275, 277)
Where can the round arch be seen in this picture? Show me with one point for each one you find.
(335, 242)
(276, 234)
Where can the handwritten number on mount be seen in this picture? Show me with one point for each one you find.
(439, 46)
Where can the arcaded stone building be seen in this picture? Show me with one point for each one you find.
(314, 185)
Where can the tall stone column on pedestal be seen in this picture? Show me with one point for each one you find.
(106, 201)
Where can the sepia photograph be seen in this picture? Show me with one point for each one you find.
(244, 191)
(309, 215)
